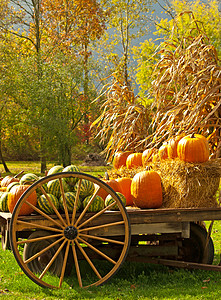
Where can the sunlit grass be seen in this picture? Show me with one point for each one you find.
(35, 167)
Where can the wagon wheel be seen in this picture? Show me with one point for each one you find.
(193, 248)
(87, 237)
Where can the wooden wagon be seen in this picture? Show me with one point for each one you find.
(91, 247)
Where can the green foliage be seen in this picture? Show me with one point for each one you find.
(146, 59)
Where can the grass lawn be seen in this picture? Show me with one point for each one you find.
(35, 167)
(133, 281)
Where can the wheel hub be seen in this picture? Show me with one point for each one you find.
(70, 232)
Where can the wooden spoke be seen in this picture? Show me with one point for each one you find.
(102, 239)
(75, 202)
(64, 202)
(64, 263)
(39, 239)
(97, 251)
(77, 265)
(88, 260)
(52, 260)
(86, 208)
(43, 250)
(96, 215)
(101, 226)
(45, 215)
(55, 209)
(27, 225)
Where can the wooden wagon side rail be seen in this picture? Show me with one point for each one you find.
(162, 215)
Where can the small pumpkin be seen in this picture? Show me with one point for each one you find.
(172, 146)
(112, 183)
(125, 185)
(162, 152)
(146, 189)
(193, 148)
(14, 195)
(147, 156)
(120, 158)
(7, 180)
(134, 160)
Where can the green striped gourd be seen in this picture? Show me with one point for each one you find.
(71, 180)
(11, 185)
(96, 205)
(87, 188)
(55, 169)
(109, 200)
(70, 200)
(44, 204)
(4, 202)
(53, 187)
(28, 178)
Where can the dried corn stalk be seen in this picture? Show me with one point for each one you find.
(187, 91)
(123, 121)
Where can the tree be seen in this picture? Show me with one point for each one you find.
(127, 21)
(75, 25)
(48, 75)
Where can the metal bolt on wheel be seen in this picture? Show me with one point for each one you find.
(93, 243)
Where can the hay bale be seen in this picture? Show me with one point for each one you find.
(189, 185)
(185, 185)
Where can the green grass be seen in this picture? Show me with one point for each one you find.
(133, 281)
(35, 167)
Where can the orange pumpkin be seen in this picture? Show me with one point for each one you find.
(147, 156)
(146, 189)
(162, 152)
(14, 195)
(134, 160)
(125, 185)
(120, 159)
(172, 146)
(112, 183)
(193, 148)
(7, 180)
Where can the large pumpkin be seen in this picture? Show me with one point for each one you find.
(134, 160)
(120, 158)
(125, 185)
(15, 194)
(146, 189)
(193, 148)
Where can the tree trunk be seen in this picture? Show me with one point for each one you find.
(65, 152)
(2, 159)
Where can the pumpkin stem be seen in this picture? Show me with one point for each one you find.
(148, 168)
(19, 174)
(106, 176)
(192, 135)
